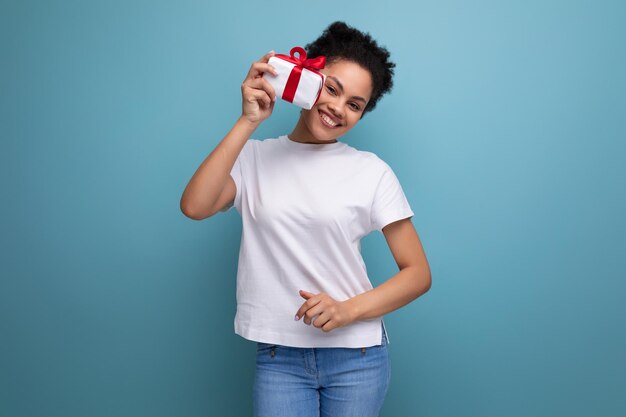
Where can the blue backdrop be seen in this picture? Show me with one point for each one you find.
(505, 128)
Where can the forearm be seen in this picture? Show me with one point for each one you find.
(399, 290)
(207, 183)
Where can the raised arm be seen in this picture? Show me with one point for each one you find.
(211, 187)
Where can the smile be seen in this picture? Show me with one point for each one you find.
(328, 121)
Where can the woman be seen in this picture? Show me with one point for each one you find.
(306, 199)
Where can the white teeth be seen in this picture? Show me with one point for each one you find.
(328, 120)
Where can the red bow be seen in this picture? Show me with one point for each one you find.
(300, 62)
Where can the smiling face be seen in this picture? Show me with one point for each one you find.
(346, 92)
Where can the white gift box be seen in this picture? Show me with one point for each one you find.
(298, 80)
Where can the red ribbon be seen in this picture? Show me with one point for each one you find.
(301, 62)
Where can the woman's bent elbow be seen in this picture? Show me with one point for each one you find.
(192, 214)
(428, 283)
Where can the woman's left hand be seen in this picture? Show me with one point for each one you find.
(330, 313)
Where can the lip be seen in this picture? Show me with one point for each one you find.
(334, 119)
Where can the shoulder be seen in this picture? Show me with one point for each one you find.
(265, 141)
(254, 146)
(370, 159)
(254, 142)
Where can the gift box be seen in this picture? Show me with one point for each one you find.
(298, 80)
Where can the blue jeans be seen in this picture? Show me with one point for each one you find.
(314, 382)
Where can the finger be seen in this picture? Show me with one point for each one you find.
(260, 96)
(321, 320)
(330, 325)
(310, 303)
(303, 308)
(261, 68)
(312, 312)
(252, 95)
(267, 56)
(262, 84)
(306, 294)
(258, 68)
(310, 321)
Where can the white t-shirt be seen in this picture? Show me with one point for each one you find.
(305, 208)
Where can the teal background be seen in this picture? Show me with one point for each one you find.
(505, 128)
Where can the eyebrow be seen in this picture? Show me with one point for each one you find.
(341, 88)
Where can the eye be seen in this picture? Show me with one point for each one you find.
(330, 89)
(355, 106)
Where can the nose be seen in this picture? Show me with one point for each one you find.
(335, 108)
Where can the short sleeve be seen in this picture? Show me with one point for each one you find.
(390, 204)
(237, 174)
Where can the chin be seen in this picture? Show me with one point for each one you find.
(318, 131)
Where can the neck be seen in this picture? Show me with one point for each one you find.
(302, 134)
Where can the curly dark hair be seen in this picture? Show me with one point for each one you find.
(342, 42)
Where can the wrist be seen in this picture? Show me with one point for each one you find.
(353, 309)
(246, 123)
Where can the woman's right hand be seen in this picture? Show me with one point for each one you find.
(257, 94)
